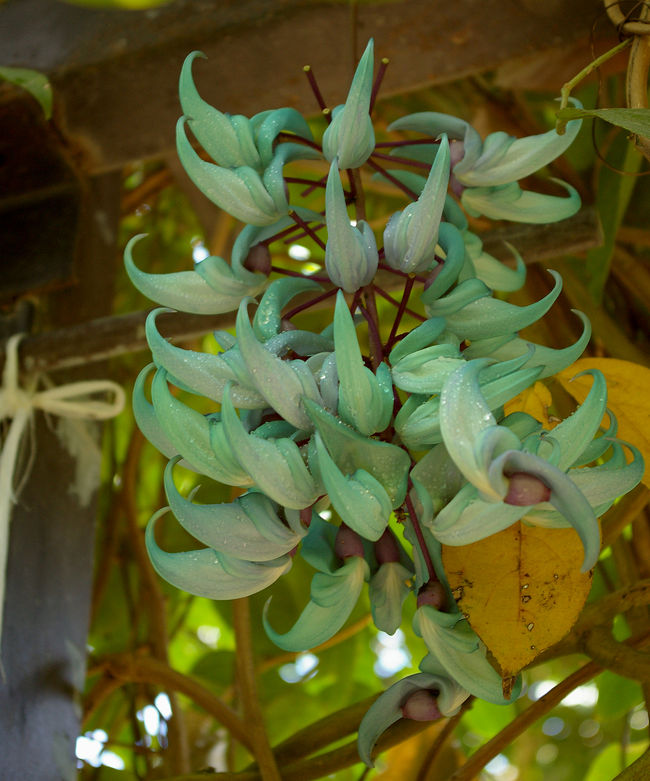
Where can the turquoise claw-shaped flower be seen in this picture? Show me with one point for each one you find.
(248, 528)
(418, 423)
(192, 436)
(359, 499)
(365, 399)
(234, 141)
(425, 371)
(276, 466)
(390, 584)
(210, 573)
(202, 373)
(479, 316)
(258, 199)
(350, 136)
(212, 288)
(499, 159)
(505, 476)
(411, 236)
(334, 593)
(386, 462)
(351, 256)
(457, 648)
(485, 173)
(552, 361)
(284, 384)
(423, 697)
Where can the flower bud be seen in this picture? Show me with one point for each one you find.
(525, 489)
(433, 593)
(258, 259)
(422, 705)
(386, 549)
(348, 543)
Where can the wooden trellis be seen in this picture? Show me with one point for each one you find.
(114, 76)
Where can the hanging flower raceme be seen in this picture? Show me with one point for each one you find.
(365, 445)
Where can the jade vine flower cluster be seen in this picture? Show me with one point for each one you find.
(405, 441)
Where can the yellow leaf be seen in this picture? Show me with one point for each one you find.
(521, 590)
(627, 396)
(535, 401)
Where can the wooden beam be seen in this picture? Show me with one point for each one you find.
(115, 73)
(109, 337)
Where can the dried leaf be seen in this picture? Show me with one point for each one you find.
(627, 397)
(521, 590)
(535, 401)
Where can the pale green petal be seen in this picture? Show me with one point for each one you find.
(388, 589)
(213, 130)
(272, 177)
(439, 476)
(188, 431)
(350, 135)
(434, 124)
(351, 252)
(411, 235)
(460, 297)
(268, 316)
(365, 402)
(602, 485)
(420, 337)
(350, 450)
(552, 361)
(268, 124)
(493, 272)
(188, 291)
(239, 191)
(276, 380)
(451, 241)
(425, 371)
(510, 202)
(418, 424)
(202, 373)
(146, 419)
(575, 433)
(520, 158)
(248, 528)
(317, 623)
(359, 499)
(208, 573)
(464, 416)
(486, 316)
(276, 466)
(230, 283)
(468, 518)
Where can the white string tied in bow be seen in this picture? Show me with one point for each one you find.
(18, 404)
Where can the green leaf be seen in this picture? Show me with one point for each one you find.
(608, 765)
(35, 83)
(616, 696)
(613, 195)
(636, 120)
